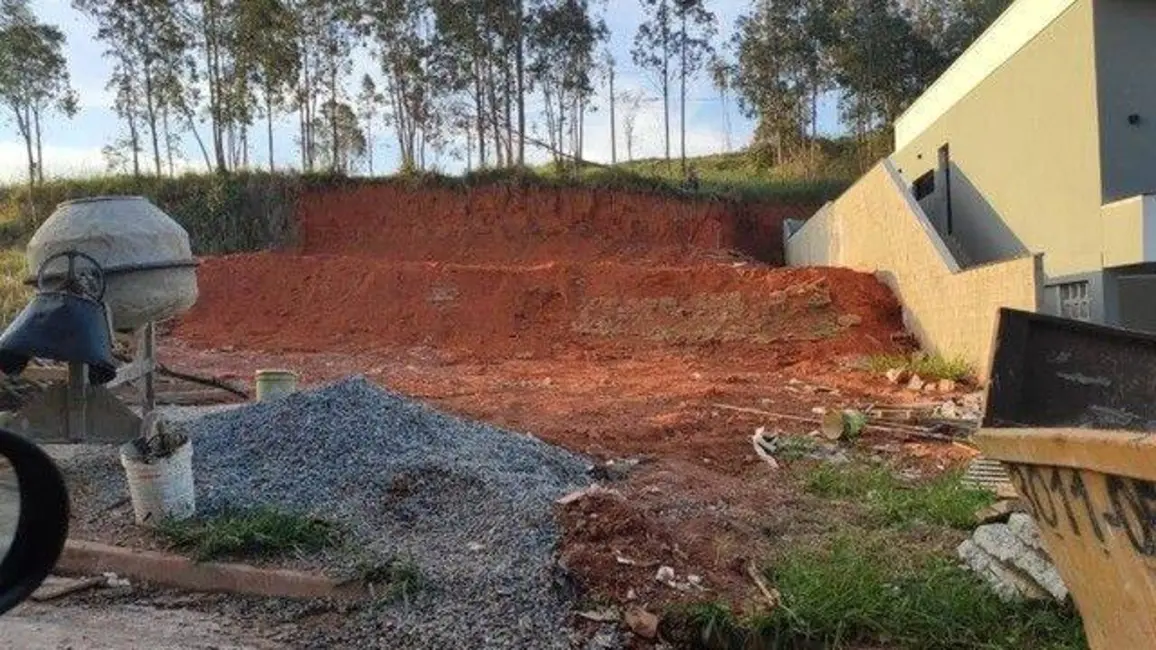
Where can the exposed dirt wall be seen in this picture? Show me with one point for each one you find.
(324, 302)
(503, 224)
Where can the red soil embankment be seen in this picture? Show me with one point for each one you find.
(502, 224)
(275, 302)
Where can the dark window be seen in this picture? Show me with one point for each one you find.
(1075, 302)
(924, 186)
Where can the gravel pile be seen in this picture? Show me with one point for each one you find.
(472, 506)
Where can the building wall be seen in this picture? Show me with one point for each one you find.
(877, 226)
(1027, 134)
(1125, 54)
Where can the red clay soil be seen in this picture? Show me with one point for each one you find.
(534, 309)
(279, 302)
(503, 224)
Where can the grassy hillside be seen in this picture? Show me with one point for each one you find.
(222, 213)
(252, 210)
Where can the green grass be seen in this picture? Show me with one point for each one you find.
(942, 501)
(259, 532)
(792, 448)
(867, 590)
(14, 295)
(398, 579)
(927, 366)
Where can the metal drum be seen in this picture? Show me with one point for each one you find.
(148, 264)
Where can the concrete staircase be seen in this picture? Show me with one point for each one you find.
(958, 251)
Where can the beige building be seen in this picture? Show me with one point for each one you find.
(1041, 139)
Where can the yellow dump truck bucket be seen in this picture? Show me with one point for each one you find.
(1093, 495)
(1071, 412)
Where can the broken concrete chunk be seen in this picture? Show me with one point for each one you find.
(850, 320)
(997, 513)
(915, 384)
(1025, 528)
(642, 622)
(606, 615)
(896, 375)
(946, 386)
(1008, 584)
(665, 574)
(593, 490)
(1005, 546)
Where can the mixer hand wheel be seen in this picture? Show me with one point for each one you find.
(84, 276)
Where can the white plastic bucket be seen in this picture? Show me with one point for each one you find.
(160, 488)
(272, 384)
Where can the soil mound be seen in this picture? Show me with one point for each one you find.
(280, 302)
(503, 224)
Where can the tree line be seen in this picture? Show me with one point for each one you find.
(480, 79)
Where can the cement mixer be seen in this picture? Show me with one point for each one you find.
(102, 265)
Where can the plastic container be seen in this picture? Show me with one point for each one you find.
(160, 488)
(273, 384)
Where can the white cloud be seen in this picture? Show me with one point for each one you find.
(58, 161)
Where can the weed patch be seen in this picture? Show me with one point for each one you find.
(927, 366)
(866, 591)
(942, 501)
(14, 295)
(398, 579)
(260, 532)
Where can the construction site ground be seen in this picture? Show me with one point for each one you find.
(659, 369)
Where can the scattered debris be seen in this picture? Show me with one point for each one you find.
(665, 575)
(772, 596)
(915, 384)
(55, 587)
(989, 474)
(833, 426)
(585, 492)
(605, 615)
(998, 512)
(642, 622)
(1013, 561)
(764, 447)
(897, 375)
(114, 581)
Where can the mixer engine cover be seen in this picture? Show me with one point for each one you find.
(148, 262)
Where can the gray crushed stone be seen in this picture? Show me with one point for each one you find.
(470, 504)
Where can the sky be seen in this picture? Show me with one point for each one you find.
(72, 147)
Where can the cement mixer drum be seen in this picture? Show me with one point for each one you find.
(149, 268)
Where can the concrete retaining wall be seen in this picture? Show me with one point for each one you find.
(877, 226)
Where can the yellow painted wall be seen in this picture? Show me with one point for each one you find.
(877, 227)
(1029, 136)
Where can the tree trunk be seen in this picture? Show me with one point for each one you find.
(369, 142)
(150, 109)
(269, 125)
(39, 147)
(333, 106)
(521, 67)
(24, 124)
(682, 93)
(613, 128)
(168, 138)
(197, 135)
(666, 75)
(134, 142)
(480, 117)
